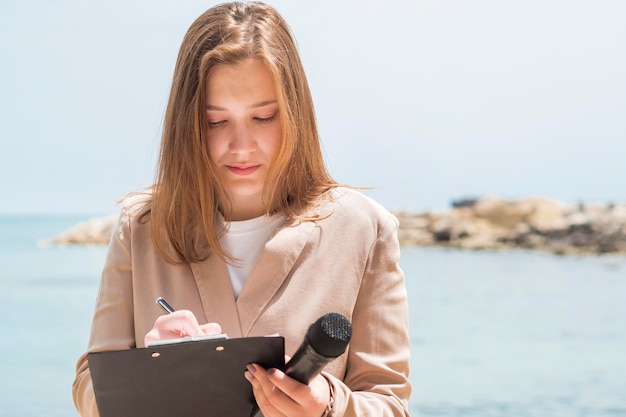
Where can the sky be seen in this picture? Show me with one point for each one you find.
(424, 101)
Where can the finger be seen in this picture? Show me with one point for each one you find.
(270, 400)
(312, 396)
(151, 336)
(259, 395)
(178, 324)
(289, 386)
(211, 328)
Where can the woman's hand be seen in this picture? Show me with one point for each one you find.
(180, 323)
(278, 395)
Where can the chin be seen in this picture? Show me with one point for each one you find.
(246, 192)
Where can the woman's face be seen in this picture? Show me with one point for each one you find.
(244, 132)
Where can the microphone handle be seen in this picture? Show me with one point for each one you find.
(305, 364)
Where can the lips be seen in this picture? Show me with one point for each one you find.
(243, 169)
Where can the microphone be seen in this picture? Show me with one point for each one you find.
(325, 340)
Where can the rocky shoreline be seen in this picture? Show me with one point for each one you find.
(535, 223)
(95, 231)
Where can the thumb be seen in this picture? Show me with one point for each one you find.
(211, 329)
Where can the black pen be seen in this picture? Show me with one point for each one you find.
(164, 305)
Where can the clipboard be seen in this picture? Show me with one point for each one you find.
(189, 379)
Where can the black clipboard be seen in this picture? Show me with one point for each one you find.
(190, 379)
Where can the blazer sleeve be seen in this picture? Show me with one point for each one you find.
(112, 326)
(376, 381)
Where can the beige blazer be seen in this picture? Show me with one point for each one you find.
(347, 262)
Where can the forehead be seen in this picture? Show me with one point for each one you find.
(249, 79)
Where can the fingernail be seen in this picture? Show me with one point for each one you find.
(250, 367)
(248, 376)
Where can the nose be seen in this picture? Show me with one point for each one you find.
(242, 139)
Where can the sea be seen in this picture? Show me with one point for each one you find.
(511, 334)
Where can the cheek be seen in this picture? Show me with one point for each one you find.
(215, 147)
(271, 141)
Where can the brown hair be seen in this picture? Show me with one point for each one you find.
(185, 198)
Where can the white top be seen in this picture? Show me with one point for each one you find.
(244, 242)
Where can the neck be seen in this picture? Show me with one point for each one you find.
(245, 208)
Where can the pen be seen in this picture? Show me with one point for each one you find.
(164, 305)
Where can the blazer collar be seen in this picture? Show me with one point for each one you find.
(216, 294)
(270, 271)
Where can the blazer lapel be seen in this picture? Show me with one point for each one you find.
(216, 293)
(274, 264)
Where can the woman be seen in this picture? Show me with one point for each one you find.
(246, 233)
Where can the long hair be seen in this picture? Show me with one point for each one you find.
(185, 202)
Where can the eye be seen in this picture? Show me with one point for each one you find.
(266, 119)
(214, 124)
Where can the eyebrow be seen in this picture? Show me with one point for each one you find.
(254, 106)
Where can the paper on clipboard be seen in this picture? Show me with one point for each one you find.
(187, 339)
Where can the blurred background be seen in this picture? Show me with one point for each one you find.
(425, 101)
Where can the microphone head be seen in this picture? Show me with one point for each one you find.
(330, 334)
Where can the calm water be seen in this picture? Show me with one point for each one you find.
(493, 334)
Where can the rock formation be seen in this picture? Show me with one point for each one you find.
(532, 223)
(96, 231)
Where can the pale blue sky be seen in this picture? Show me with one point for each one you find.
(426, 101)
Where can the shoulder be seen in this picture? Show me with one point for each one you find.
(352, 208)
(135, 209)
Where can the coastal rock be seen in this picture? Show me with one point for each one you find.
(538, 212)
(96, 231)
(532, 223)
